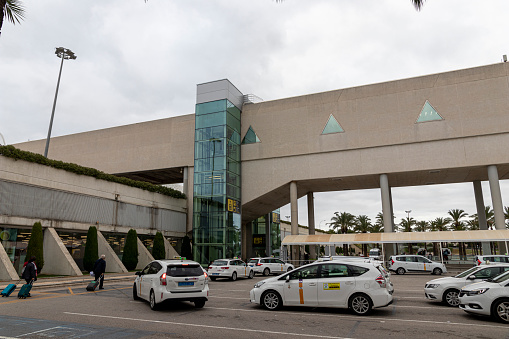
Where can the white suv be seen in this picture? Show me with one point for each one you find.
(489, 298)
(177, 280)
(491, 259)
(415, 263)
(358, 285)
(268, 266)
(447, 289)
(230, 268)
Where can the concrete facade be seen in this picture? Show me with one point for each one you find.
(113, 262)
(144, 256)
(57, 259)
(7, 271)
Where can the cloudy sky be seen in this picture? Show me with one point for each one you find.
(141, 61)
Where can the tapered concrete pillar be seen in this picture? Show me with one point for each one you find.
(387, 212)
(268, 240)
(57, 259)
(294, 209)
(188, 190)
(311, 224)
(498, 207)
(481, 214)
(144, 255)
(169, 250)
(7, 270)
(113, 262)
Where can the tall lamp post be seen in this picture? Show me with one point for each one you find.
(408, 214)
(66, 54)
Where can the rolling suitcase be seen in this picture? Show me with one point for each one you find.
(25, 290)
(8, 290)
(93, 284)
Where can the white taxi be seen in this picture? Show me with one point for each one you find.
(175, 280)
(359, 286)
(268, 266)
(415, 263)
(230, 268)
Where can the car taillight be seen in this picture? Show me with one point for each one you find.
(258, 264)
(478, 262)
(163, 279)
(225, 268)
(392, 261)
(381, 281)
(205, 274)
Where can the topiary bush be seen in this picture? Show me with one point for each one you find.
(130, 256)
(186, 248)
(91, 249)
(158, 250)
(35, 246)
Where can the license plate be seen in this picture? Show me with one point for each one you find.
(215, 273)
(251, 265)
(186, 283)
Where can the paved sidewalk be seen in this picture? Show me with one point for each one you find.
(70, 280)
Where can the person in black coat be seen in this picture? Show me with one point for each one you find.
(30, 272)
(99, 269)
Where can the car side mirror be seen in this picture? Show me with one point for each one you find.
(472, 277)
(287, 279)
(138, 273)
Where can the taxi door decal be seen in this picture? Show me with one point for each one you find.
(425, 266)
(141, 278)
(331, 286)
(301, 292)
(245, 271)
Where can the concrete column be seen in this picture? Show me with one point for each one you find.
(249, 240)
(387, 212)
(113, 262)
(294, 219)
(189, 193)
(144, 256)
(186, 180)
(268, 243)
(481, 214)
(170, 251)
(57, 259)
(498, 207)
(243, 247)
(311, 223)
(7, 271)
(391, 248)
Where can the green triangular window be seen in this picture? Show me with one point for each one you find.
(428, 113)
(332, 126)
(250, 137)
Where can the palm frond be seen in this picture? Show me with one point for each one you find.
(14, 11)
(418, 4)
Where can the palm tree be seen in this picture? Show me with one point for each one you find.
(458, 225)
(440, 225)
(406, 225)
(506, 216)
(12, 10)
(422, 226)
(473, 225)
(418, 4)
(363, 225)
(342, 223)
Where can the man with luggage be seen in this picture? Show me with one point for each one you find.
(30, 272)
(99, 269)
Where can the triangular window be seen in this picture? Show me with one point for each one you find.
(250, 137)
(332, 126)
(428, 113)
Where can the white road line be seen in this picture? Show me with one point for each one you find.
(213, 296)
(47, 329)
(321, 315)
(7, 337)
(423, 297)
(206, 326)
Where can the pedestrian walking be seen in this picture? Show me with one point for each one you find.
(30, 272)
(99, 269)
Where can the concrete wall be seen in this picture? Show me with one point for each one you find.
(113, 263)
(57, 259)
(170, 251)
(144, 256)
(7, 271)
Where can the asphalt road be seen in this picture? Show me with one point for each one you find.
(71, 312)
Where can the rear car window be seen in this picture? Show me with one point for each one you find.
(253, 261)
(220, 263)
(184, 270)
(356, 270)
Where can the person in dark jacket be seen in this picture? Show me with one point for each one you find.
(99, 269)
(30, 272)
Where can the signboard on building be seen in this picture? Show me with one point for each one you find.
(233, 206)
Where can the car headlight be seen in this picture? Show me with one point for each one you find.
(478, 291)
(259, 284)
(432, 285)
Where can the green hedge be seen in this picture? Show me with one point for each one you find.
(17, 154)
(35, 246)
(158, 250)
(91, 249)
(130, 256)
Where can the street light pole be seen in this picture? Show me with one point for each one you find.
(62, 53)
(408, 214)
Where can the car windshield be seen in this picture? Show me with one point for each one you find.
(184, 270)
(253, 261)
(501, 278)
(219, 263)
(467, 273)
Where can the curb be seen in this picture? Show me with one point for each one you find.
(85, 280)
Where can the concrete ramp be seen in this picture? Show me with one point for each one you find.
(7, 271)
(113, 262)
(144, 256)
(170, 251)
(57, 259)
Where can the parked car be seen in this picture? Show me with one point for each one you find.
(415, 263)
(175, 280)
(447, 289)
(230, 268)
(375, 253)
(491, 259)
(490, 298)
(268, 266)
(359, 286)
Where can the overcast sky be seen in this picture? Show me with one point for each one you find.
(141, 61)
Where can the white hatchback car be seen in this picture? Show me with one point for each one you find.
(175, 280)
(491, 259)
(268, 266)
(490, 298)
(359, 286)
(415, 263)
(447, 289)
(230, 268)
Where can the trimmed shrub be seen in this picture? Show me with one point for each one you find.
(91, 249)
(35, 245)
(158, 250)
(186, 248)
(130, 256)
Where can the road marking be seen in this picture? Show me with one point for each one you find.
(423, 297)
(206, 326)
(47, 329)
(213, 296)
(7, 337)
(60, 295)
(70, 290)
(307, 314)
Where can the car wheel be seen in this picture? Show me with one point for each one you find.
(360, 304)
(213, 278)
(500, 310)
(266, 272)
(451, 298)
(234, 276)
(199, 304)
(135, 293)
(152, 301)
(251, 274)
(437, 271)
(271, 300)
(400, 270)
